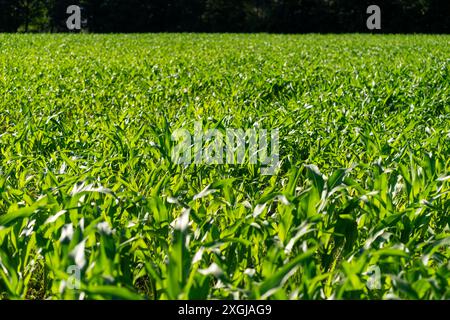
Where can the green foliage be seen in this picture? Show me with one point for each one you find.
(86, 177)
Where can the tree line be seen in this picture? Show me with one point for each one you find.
(273, 16)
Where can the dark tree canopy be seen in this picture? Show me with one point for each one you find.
(280, 16)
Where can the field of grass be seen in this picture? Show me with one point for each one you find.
(359, 208)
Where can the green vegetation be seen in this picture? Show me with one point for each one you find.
(86, 177)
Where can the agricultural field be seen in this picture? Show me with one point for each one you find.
(92, 205)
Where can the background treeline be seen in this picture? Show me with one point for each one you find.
(280, 16)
